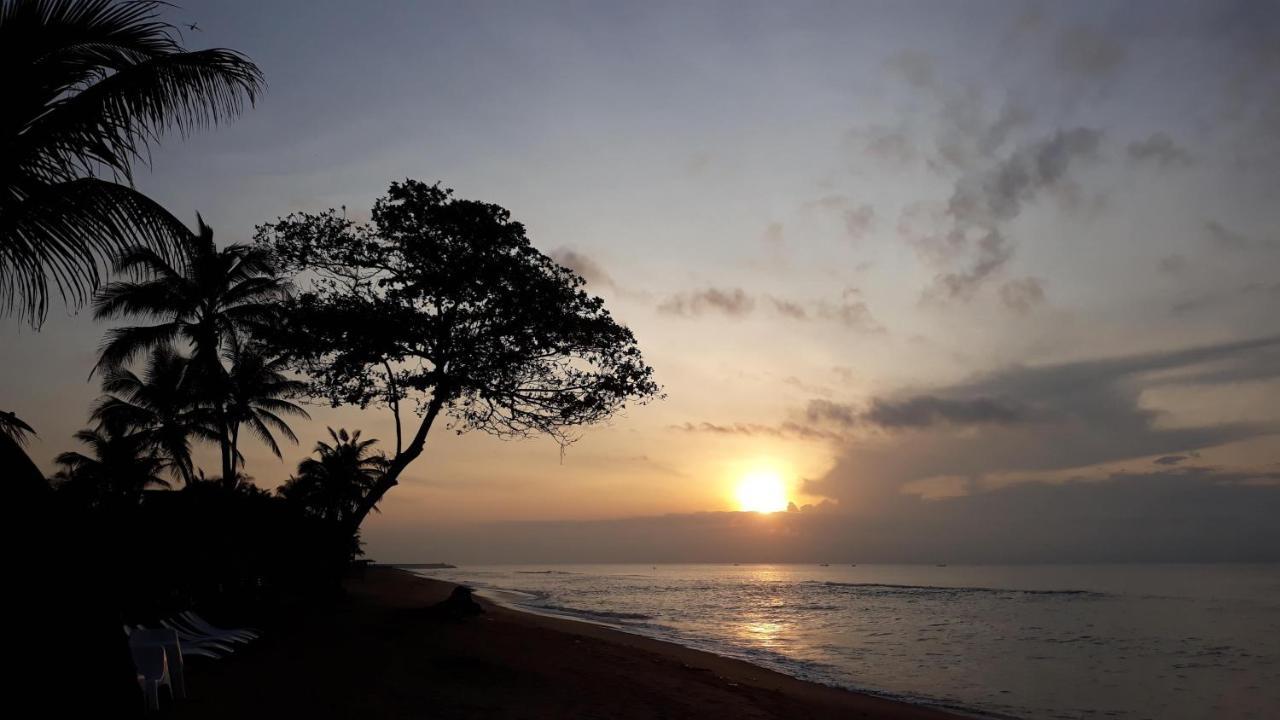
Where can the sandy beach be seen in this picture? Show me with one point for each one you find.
(380, 654)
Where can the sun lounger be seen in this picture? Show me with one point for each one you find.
(191, 639)
(200, 623)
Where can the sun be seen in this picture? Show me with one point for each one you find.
(762, 491)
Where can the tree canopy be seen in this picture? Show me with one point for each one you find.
(445, 304)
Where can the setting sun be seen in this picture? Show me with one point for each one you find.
(762, 491)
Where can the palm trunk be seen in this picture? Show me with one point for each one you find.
(184, 469)
(228, 456)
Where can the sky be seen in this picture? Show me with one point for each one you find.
(979, 282)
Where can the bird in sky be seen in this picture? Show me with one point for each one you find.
(194, 27)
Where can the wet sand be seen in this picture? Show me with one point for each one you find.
(380, 654)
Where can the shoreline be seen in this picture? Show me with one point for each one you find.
(485, 596)
(380, 653)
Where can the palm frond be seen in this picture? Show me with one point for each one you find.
(59, 240)
(90, 85)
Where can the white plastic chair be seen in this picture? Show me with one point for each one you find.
(168, 641)
(153, 671)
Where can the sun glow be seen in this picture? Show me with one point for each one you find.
(762, 491)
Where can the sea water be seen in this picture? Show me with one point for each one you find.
(1062, 641)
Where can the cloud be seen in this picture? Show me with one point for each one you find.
(773, 233)
(733, 302)
(1022, 295)
(1160, 150)
(1089, 53)
(913, 66)
(1173, 264)
(1227, 239)
(928, 410)
(1253, 291)
(1169, 460)
(784, 430)
(984, 201)
(584, 266)
(788, 308)
(859, 221)
(887, 145)
(850, 311)
(914, 412)
(859, 218)
(1030, 419)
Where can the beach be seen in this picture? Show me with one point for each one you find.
(380, 653)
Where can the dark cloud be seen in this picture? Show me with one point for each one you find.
(1022, 295)
(1160, 150)
(1225, 239)
(859, 218)
(584, 266)
(1170, 460)
(788, 308)
(914, 412)
(731, 301)
(1249, 292)
(850, 311)
(1040, 418)
(891, 146)
(1089, 53)
(859, 221)
(929, 410)
(1173, 264)
(984, 201)
(826, 412)
(915, 67)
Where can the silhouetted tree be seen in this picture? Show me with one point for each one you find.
(444, 302)
(14, 434)
(257, 387)
(119, 466)
(88, 85)
(333, 485)
(212, 301)
(162, 405)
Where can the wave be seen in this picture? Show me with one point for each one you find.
(949, 590)
(594, 614)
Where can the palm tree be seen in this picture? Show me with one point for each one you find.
(162, 405)
(89, 84)
(14, 434)
(119, 467)
(212, 301)
(257, 387)
(332, 486)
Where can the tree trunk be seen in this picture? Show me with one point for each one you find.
(391, 477)
(228, 464)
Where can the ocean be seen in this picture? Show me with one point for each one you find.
(1055, 641)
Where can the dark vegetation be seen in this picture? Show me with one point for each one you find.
(438, 307)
